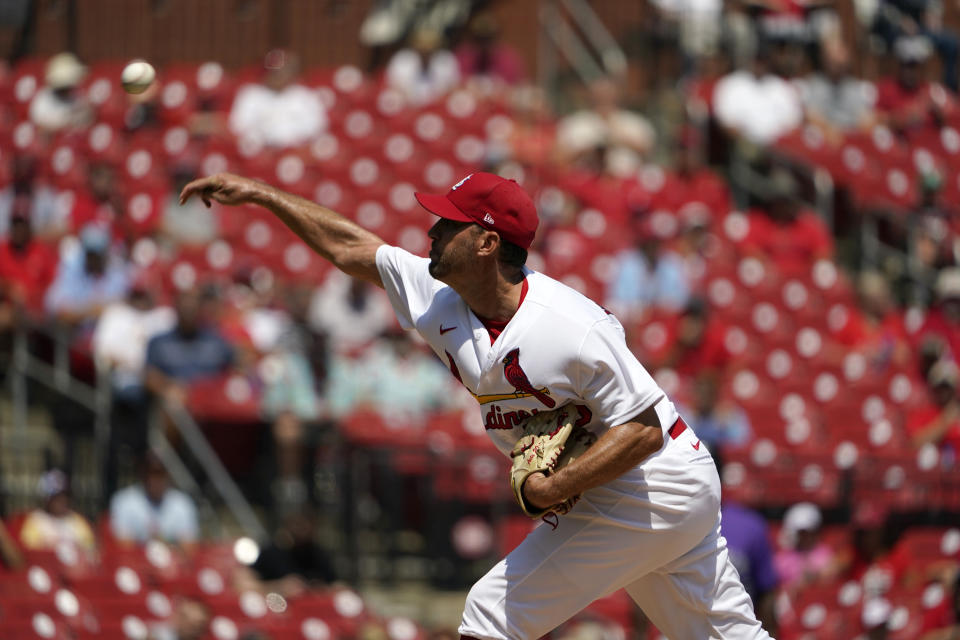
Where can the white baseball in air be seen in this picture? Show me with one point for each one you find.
(137, 76)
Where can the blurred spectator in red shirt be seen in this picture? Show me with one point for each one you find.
(484, 57)
(28, 194)
(691, 181)
(938, 422)
(27, 267)
(872, 557)
(792, 237)
(898, 18)
(943, 321)
(101, 202)
(943, 622)
(605, 138)
(876, 328)
(531, 139)
(695, 343)
(908, 100)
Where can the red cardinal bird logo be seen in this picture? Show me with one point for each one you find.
(515, 376)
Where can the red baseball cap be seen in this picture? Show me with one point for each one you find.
(493, 202)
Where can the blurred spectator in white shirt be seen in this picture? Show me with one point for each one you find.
(394, 377)
(58, 105)
(755, 104)
(622, 138)
(699, 24)
(121, 336)
(425, 70)
(349, 311)
(834, 100)
(153, 510)
(192, 223)
(120, 348)
(279, 112)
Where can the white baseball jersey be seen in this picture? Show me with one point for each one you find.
(559, 348)
(565, 346)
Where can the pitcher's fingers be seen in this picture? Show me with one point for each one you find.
(197, 186)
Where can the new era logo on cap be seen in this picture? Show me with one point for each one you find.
(493, 202)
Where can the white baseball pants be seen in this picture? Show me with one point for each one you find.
(661, 543)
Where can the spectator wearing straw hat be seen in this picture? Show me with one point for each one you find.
(58, 105)
(938, 422)
(56, 523)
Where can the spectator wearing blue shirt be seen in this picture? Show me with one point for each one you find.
(648, 275)
(88, 278)
(191, 351)
(153, 510)
(721, 424)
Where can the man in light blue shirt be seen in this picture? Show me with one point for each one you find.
(648, 275)
(153, 510)
(88, 279)
(722, 425)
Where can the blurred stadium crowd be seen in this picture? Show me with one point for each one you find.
(781, 241)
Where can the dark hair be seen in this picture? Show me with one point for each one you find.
(512, 255)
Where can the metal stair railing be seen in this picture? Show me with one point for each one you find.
(225, 486)
(576, 33)
(97, 399)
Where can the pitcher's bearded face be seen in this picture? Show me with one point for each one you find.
(452, 247)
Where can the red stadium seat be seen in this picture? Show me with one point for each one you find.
(27, 79)
(230, 399)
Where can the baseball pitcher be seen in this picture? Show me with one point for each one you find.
(630, 494)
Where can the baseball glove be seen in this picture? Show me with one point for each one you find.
(551, 440)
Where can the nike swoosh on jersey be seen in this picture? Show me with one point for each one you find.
(696, 445)
(443, 331)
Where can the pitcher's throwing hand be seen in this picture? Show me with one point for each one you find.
(225, 188)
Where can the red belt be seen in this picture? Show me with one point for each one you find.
(678, 427)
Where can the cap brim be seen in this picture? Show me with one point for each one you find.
(440, 206)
